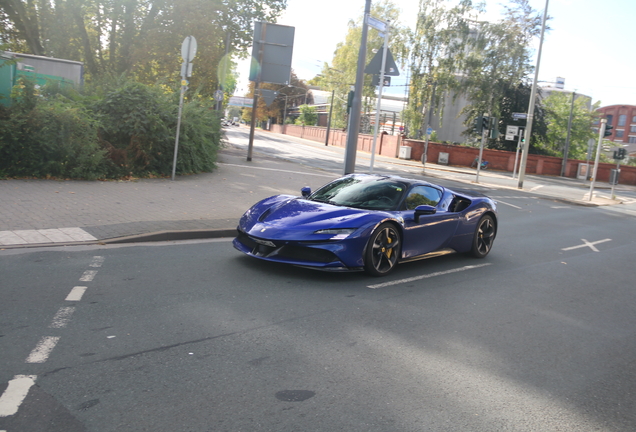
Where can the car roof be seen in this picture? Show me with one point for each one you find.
(408, 181)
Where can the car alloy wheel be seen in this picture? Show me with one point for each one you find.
(383, 250)
(484, 237)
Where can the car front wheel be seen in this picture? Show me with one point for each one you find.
(383, 250)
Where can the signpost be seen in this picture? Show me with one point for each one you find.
(271, 60)
(188, 51)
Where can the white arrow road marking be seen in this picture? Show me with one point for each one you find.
(43, 349)
(15, 393)
(587, 244)
(426, 276)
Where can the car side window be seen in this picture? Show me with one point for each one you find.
(422, 195)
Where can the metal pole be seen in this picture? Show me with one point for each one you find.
(514, 171)
(377, 109)
(428, 125)
(601, 134)
(176, 141)
(354, 116)
(333, 95)
(566, 149)
(531, 105)
(256, 86)
(481, 151)
(618, 171)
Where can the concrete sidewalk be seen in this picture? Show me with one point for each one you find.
(50, 212)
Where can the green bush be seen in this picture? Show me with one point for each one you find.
(114, 129)
(49, 138)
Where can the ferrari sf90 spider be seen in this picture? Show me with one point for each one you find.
(368, 222)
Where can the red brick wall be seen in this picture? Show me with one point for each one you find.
(388, 145)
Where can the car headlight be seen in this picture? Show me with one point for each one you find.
(337, 233)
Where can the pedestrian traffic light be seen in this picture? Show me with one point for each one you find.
(478, 125)
(494, 127)
(608, 130)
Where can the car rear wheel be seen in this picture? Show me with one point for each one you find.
(383, 250)
(484, 237)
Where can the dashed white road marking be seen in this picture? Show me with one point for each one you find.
(42, 350)
(587, 244)
(62, 317)
(76, 293)
(15, 393)
(536, 188)
(88, 276)
(97, 261)
(426, 276)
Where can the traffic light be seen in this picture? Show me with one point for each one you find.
(485, 123)
(620, 154)
(478, 125)
(608, 130)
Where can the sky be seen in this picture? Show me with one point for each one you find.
(590, 43)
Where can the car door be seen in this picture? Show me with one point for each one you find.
(427, 233)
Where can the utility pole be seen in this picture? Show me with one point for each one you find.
(354, 116)
(531, 105)
(566, 148)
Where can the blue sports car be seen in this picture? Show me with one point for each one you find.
(368, 222)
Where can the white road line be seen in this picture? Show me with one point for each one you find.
(43, 349)
(276, 169)
(587, 244)
(536, 188)
(560, 207)
(88, 276)
(508, 204)
(62, 317)
(426, 276)
(15, 393)
(76, 293)
(97, 261)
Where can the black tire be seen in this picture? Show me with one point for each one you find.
(485, 234)
(383, 250)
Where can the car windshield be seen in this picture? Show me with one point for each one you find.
(371, 193)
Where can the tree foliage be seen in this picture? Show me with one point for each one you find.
(438, 51)
(340, 75)
(141, 38)
(557, 108)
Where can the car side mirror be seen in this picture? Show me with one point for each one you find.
(306, 191)
(422, 210)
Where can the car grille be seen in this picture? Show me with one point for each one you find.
(292, 252)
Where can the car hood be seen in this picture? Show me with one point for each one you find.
(297, 218)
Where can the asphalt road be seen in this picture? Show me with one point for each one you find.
(193, 336)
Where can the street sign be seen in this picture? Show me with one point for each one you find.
(375, 66)
(188, 48)
(429, 131)
(268, 96)
(218, 95)
(376, 23)
(519, 116)
(272, 53)
(511, 132)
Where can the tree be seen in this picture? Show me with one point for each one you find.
(498, 61)
(137, 37)
(308, 116)
(341, 74)
(437, 52)
(557, 108)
